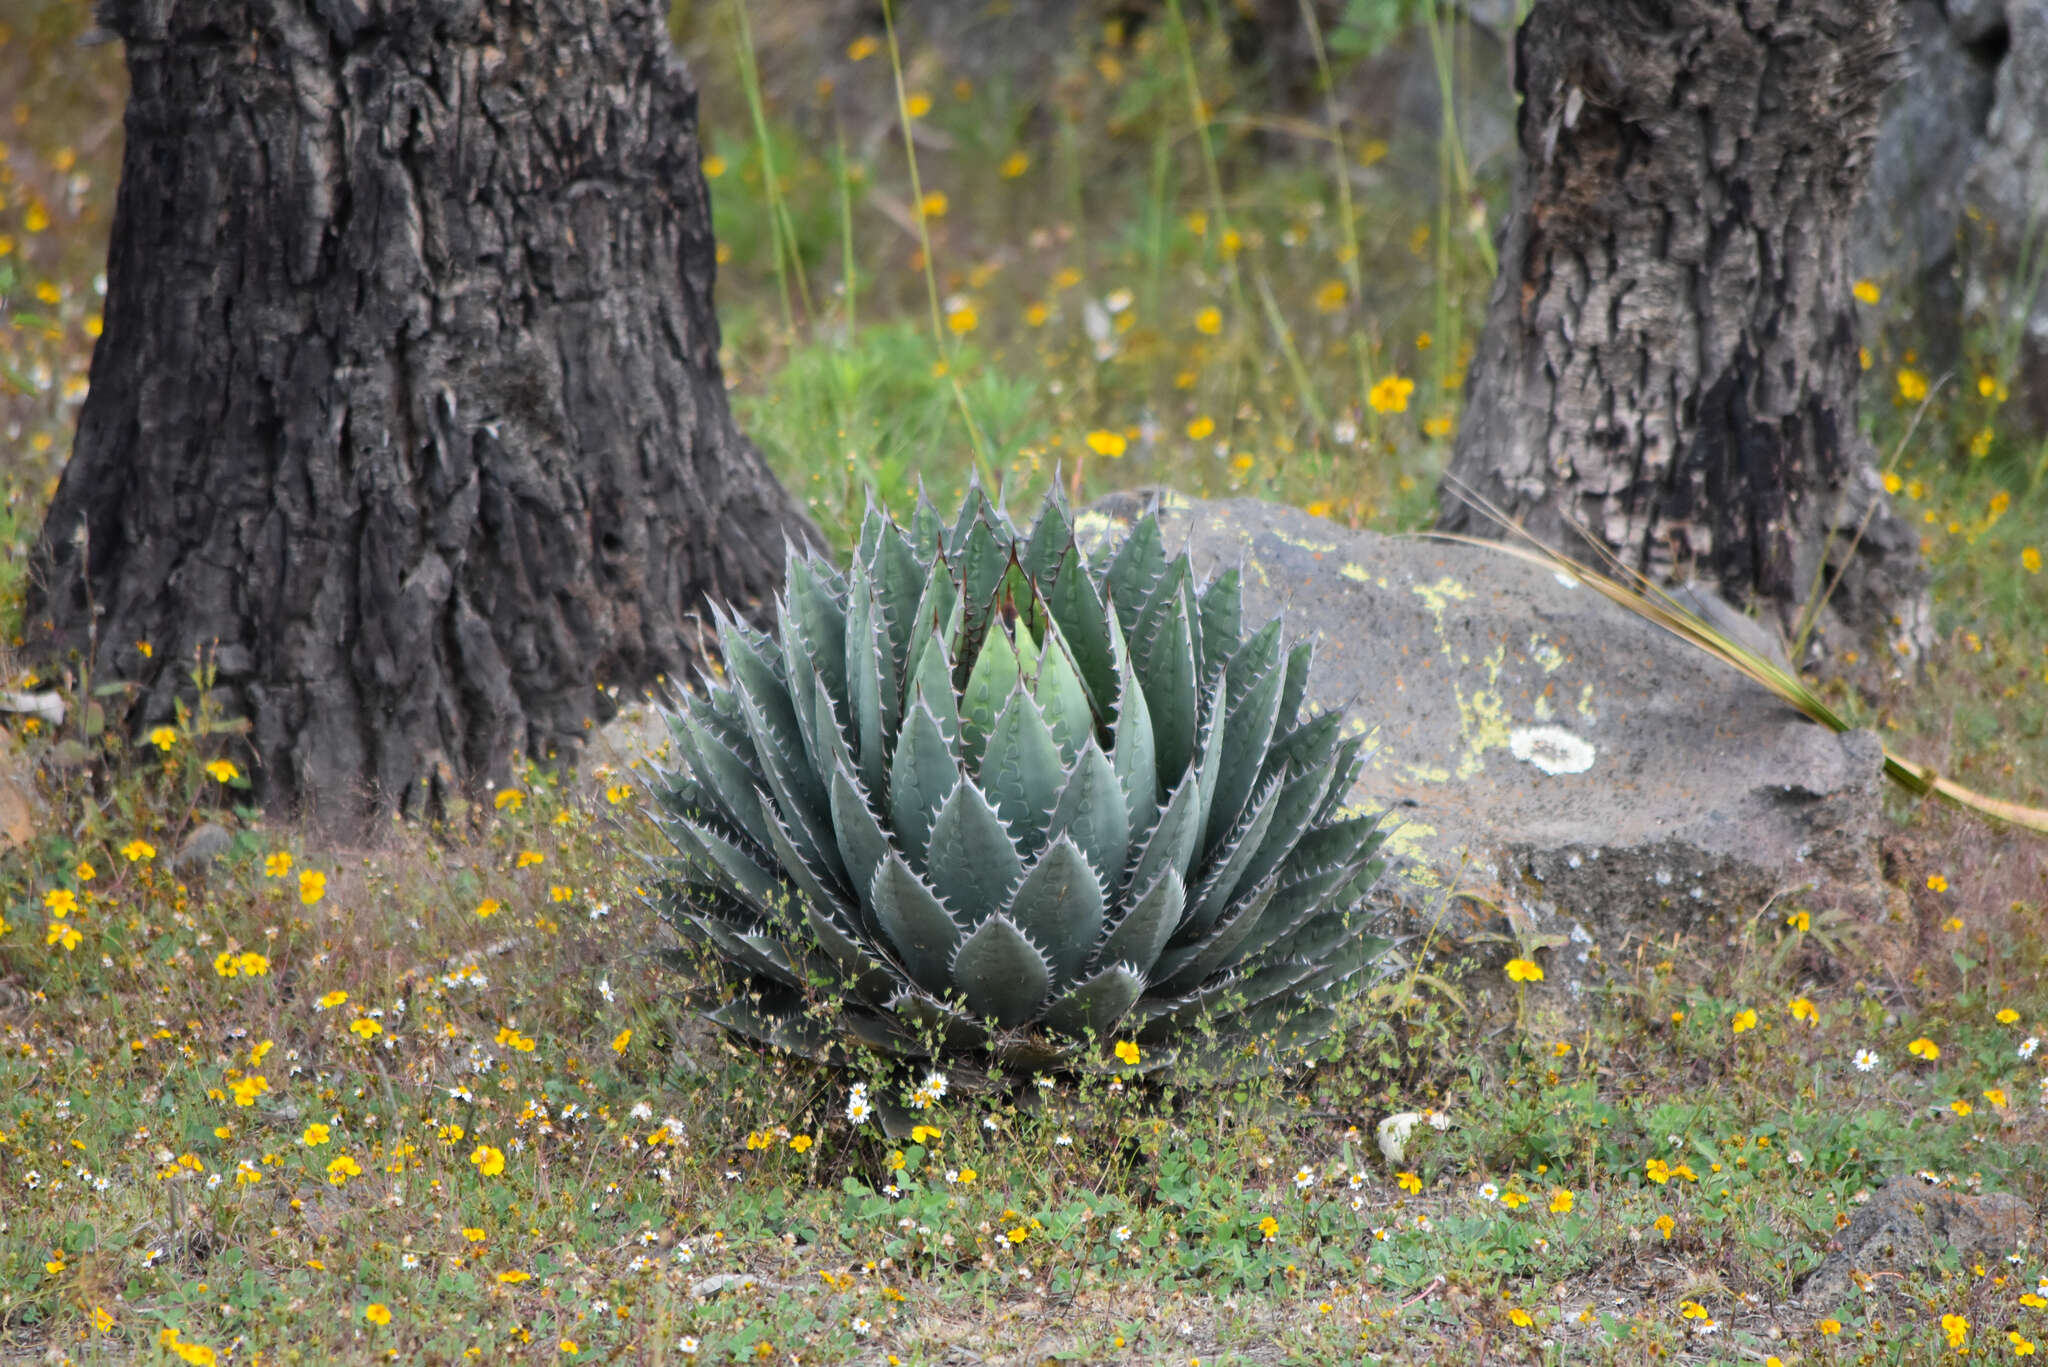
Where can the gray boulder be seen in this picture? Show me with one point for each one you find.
(1593, 779)
(1910, 1226)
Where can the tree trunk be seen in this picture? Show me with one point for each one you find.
(1670, 356)
(408, 414)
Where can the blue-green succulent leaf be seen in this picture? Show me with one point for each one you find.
(1232, 856)
(920, 932)
(923, 773)
(862, 845)
(1059, 905)
(1002, 975)
(1136, 753)
(1141, 936)
(737, 871)
(1022, 770)
(818, 620)
(1171, 842)
(1091, 1009)
(1222, 618)
(1052, 536)
(973, 865)
(1136, 568)
(726, 781)
(995, 676)
(1076, 604)
(1294, 693)
(1060, 692)
(1247, 731)
(1168, 680)
(933, 686)
(1185, 968)
(1090, 809)
(866, 681)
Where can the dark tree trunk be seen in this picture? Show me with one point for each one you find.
(1670, 355)
(408, 413)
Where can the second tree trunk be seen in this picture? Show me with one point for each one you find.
(1670, 358)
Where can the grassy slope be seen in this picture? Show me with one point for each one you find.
(492, 974)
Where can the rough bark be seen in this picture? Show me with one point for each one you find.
(408, 415)
(1670, 358)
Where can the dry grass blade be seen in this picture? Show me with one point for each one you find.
(1647, 600)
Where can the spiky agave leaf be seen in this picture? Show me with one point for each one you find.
(1004, 801)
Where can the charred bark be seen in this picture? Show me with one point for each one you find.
(1670, 358)
(408, 414)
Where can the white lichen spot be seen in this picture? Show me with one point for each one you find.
(1552, 749)
(1565, 579)
(1663, 878)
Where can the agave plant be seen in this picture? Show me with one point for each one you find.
(1001, 802)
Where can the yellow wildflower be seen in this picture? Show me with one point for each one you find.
(1390, 395)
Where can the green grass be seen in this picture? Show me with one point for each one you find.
(1117, 289)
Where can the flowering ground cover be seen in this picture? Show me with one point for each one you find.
(435, 1100)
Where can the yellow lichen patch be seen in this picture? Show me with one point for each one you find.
(1545, 653)
(1090, 523)
(1304, 543)
(1482, 717)
(1427, 773)
(1586, 703)
(1483, 722)
(1439, 596)
(1355, 572)
(1405, 839)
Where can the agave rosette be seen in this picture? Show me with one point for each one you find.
(989, 798)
